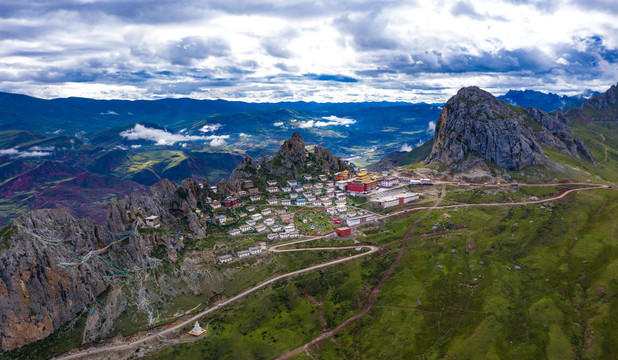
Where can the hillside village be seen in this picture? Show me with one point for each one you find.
(316, 206)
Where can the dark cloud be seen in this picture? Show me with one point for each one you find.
(285, 67)
(326, 77)
(168, 11)
(191, 48)
(464, 8)
(276, 47)
(610, 6)
(368, 31)
(277, 44)
(524, 59)
(549, 6)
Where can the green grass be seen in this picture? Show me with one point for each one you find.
(280, 317)
(540, 311)
(320, 221)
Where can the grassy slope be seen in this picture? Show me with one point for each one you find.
(560, 305)
(601, 138)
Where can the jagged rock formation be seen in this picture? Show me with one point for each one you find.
(475, 123)
(329, 162)
(38, 294)
(602, 107)
(291, 161)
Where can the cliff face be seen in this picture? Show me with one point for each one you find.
(474, 122)
(38, 294)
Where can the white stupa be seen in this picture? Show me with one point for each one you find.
(197, 330)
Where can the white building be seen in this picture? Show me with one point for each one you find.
(272, 201)
(388, 181)
(225, 258)
(266, 211)
(234, 232)
(398, 199)
(256, 217)
(242, 254)
(269, 221)
(260, 228)
(286, 202)
(255, 250)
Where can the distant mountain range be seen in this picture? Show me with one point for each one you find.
(121, 146)
(548, 102)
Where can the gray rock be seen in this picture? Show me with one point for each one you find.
(475, 123)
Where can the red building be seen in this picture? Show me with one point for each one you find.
(230, 202)
(344, 231)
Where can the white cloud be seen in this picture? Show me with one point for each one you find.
(432, 127)
(120, 147)
(356, 50)
(9, 152)
(209, 128)
(280, 123)
(330, 121)
(335, 120)
(218, 141)
(42, 148)
(244, 136)
(306, 124)
(163, 137)
(23, 154)
(109, 112)
(405, 147)
(136, 146)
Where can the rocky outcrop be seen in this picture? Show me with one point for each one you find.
(602, 107)
(38, 294)
(329, 162)
(291, 159)
(475, 123)
(291, 162)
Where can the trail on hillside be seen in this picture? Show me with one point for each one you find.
(370, 301)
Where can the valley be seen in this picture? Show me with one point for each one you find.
(485, 246)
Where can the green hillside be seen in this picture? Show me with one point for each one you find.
(533, 282)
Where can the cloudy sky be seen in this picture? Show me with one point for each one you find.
(312, 50)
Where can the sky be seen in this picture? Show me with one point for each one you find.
(309, 50)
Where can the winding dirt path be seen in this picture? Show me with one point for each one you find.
(128, 346)
(369, 303)
(372, 298)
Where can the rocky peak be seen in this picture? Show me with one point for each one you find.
(475, 123)
(602, 107)
(291, 161)
(294, 149)
(328, 161)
